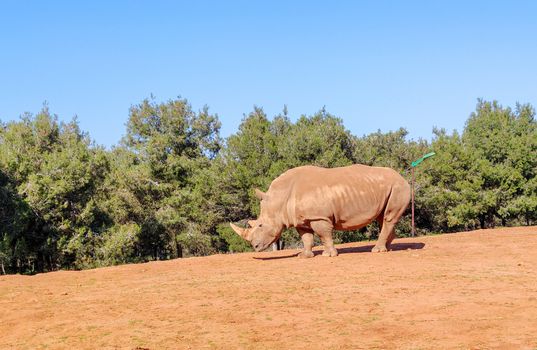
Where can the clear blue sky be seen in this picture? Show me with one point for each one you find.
(375, 64)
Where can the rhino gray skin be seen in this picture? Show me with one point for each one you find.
(318, 200)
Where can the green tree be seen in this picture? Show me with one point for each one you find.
(320, 139)
(170, 145)
(484, 177)
(55, 171)
(505, 141)
(391, 149)
(170, 187)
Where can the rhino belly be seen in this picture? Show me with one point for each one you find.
(355, 220)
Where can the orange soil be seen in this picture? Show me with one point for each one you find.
(475, 290)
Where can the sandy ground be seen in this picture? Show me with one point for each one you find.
(475, 290)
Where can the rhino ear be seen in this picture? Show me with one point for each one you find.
(240, 231)
(260, 194)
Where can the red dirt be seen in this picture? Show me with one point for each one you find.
(475, 290)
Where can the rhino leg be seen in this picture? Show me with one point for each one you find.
(395, 208)
(307, 240)
(324, 230)
(385, 233)
(391, 237)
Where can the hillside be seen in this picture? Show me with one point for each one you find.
(474, 290)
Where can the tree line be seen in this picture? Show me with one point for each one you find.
(172, 184)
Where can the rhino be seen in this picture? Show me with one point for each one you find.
(319, 200)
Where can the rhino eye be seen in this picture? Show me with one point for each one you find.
(260, 225)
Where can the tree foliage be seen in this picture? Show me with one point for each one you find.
(171, 185)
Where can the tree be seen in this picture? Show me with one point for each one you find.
(391, 149)
(170, 187)
(170, 146)
(55, 172)
(485, 176)
(320, 139)
(506, 143)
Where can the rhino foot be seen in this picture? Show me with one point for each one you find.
(306, 254)
(379, 249)
(330, 252)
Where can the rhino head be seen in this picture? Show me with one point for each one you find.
(262, 232)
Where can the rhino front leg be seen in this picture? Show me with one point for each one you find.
(307, 240)
(324, 230)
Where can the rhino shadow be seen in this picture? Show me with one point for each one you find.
(351, 250)
(367, 248)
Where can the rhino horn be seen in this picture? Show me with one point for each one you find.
(260, 194)
(239, 230)
(252, 223)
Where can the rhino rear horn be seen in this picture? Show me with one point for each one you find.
(260, 194)
(239, 230)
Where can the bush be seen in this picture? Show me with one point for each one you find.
(119, 244)
(194, 242)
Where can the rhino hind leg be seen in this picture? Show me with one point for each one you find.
(383, 242)
(395, 207)
(324, 230)
(331, 252)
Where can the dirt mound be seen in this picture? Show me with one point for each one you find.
(474, 290)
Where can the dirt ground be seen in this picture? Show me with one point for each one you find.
(475, 290)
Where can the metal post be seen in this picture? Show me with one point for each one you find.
(413, 224)
(413, 165)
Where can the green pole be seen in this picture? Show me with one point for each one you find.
(413, 165)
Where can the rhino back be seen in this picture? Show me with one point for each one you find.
(351, 197)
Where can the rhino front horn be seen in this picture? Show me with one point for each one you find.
(239, 230)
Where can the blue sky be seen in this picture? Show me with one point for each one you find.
(375, 64)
